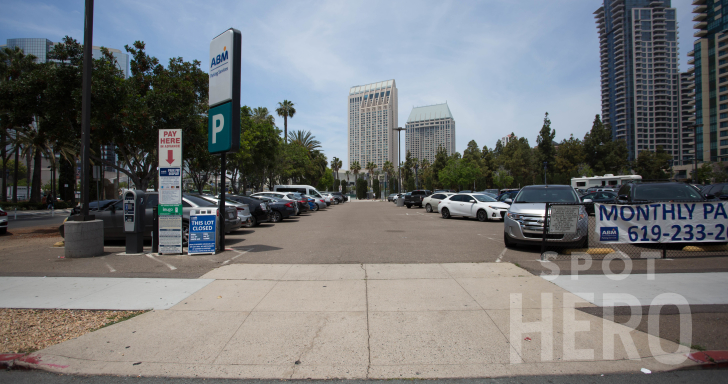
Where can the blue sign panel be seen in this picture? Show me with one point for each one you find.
(220, 129)
(202, 234)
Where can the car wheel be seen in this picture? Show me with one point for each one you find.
(585, 242)
(315, 208)
(276, 217)
(5, 230)
(253, 222)
(185, 233)
(482, 215)
(428, 208)
(508, 242)
(445, 213)
(409, 206)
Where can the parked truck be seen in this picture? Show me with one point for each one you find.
(416, 197)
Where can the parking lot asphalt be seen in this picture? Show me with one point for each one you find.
(356, 232)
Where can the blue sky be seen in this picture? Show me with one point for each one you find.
(500, 64)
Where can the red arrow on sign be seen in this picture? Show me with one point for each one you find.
(170, 157)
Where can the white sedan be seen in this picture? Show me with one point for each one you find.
(473, 205)
(432, 202)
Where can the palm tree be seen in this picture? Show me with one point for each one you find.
(388, 169)
(285, 110)
(355, 168)
(306, 139)
(335, 166)
(261, 114)
(347, 177)
(370, 169)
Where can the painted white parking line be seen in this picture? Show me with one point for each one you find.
(235, 257)
(170, 266)
(111, 269)
(498, 260)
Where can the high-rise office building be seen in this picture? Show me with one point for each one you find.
(428, 129)
(38, 47)
(372, 118)
(638, 50)
(122, 59)
(710, 57)
(687, 117)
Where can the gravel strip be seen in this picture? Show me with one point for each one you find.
(28, 330)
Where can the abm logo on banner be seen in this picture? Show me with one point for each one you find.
(609, 234)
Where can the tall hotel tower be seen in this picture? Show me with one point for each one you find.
(372, 118)
(710, 57)
(638, 50)
(428, 129)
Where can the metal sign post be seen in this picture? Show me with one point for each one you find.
(168, 229)
(223, 130)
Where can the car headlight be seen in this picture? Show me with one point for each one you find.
(514, 216)
(496, 208)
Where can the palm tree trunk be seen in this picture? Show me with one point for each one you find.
(35, 192)
(3, 154)
(285, 128)
(15, 174)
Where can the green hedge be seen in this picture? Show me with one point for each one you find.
(28, 206)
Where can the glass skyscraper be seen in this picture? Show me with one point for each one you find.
(372, 116)
(638, 51)
(37, 47)
(710, 60)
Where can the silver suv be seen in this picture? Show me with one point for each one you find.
(524, 221)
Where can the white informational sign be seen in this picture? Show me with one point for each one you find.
(170, 234)
(170, 148)
(669, 222)
(220, 68)
(564, 218)
(339, 188)
(170, 185)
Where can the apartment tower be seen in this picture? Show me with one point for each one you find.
(710, 60)
(428, 129)
(372, 118)
(638, 50)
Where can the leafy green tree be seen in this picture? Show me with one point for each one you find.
(502, 179)
(653, 165)
(438, 165)
(304, 138)
(568, 158)
(336, 165)
(458, 173)
(370, 169)
(361, 189)
(545, 141)
(488, 161)
(355, 168)
(326, 181)
(519, 160)
(602, 154)
(285, 110)
(704, 174)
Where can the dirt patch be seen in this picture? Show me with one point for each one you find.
(28, 330)
(32, 232)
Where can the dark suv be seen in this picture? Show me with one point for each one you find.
(339, 197)
(719, 191)
(416, 197)
(662, 191)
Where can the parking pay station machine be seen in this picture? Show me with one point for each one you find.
(134, 207)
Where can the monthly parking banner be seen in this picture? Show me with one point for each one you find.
(667, 222)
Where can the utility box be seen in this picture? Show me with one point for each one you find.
(134, 207)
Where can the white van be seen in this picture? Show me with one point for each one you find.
(304, 189)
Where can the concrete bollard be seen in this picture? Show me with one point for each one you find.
(84, 238)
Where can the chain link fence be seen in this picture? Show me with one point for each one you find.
(561, 238)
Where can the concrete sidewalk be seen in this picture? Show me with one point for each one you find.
(365, 321)
(125, 294)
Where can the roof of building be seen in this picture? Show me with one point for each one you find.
(437, 111)
(371, 87)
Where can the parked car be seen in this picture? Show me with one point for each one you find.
(598, 197)
(113, 217)
(281, 195)
(524, 221)
(339, 197)
(719, 191)
(311, 202)
(242, 209)
(466, 191)
(482, 207)
(319, 203)
(432, 202)
(392, 197)
(328, 198)
(659, 191)
(416, 197)
(259, 210)
(302, 201)
(3, 221)
(94, 205)
(281, 209)
(507, 197)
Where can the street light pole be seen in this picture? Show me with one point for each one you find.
(399, 156)
(416, 185)
(86, 108)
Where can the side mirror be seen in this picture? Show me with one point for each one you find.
(709, 196)
(622, 197)
(509, 201)
(588, 201)
(472, 201)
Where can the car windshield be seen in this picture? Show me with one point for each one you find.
(198, 201)
(547, 195)
(666, 192)
(484, 198)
